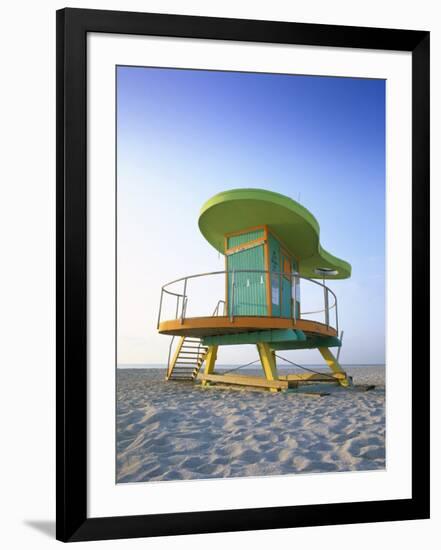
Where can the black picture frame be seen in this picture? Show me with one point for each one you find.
(71, 320)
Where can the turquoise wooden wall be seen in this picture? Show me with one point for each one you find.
(249, 288)
(236, 240)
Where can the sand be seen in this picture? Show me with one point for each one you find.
(179, 430)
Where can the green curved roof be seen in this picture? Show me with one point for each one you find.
(296, 227)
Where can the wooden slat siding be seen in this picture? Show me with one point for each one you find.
(242, 231)
(244, 250)
(245, 238)
(249, 287)
(244, 246)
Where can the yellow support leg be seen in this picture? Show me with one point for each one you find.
(210, 362)
(267, 358)
(334, 365)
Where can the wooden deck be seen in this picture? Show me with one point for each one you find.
(251, 381)
(282, 383)
(211, 326)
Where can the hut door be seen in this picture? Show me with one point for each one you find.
(246, 290)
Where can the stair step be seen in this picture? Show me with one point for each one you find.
(193, 345)
(180, 371)
(184, 369)
(189, 360)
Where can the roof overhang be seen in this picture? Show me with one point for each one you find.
(298, 230)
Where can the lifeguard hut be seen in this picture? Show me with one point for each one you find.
(272, 251)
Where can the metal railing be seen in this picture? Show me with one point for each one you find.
(216, 309)
(229, 305)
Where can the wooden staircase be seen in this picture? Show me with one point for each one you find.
(187, 359)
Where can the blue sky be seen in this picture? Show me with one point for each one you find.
(184, 135)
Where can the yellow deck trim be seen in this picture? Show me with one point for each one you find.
(209, 326)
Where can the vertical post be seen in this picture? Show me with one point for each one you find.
(160, 308)
(326, 306)
(210, 362)
(232, 297)
(267, 358)
(184, 300)
(334, 365)
(295, 298)
(184, 308)
(177, 307)
(169, 354)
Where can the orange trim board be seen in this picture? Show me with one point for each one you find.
(223, 325)
(246, 230)
(244, 246)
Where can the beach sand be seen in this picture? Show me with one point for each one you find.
(179, 430)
